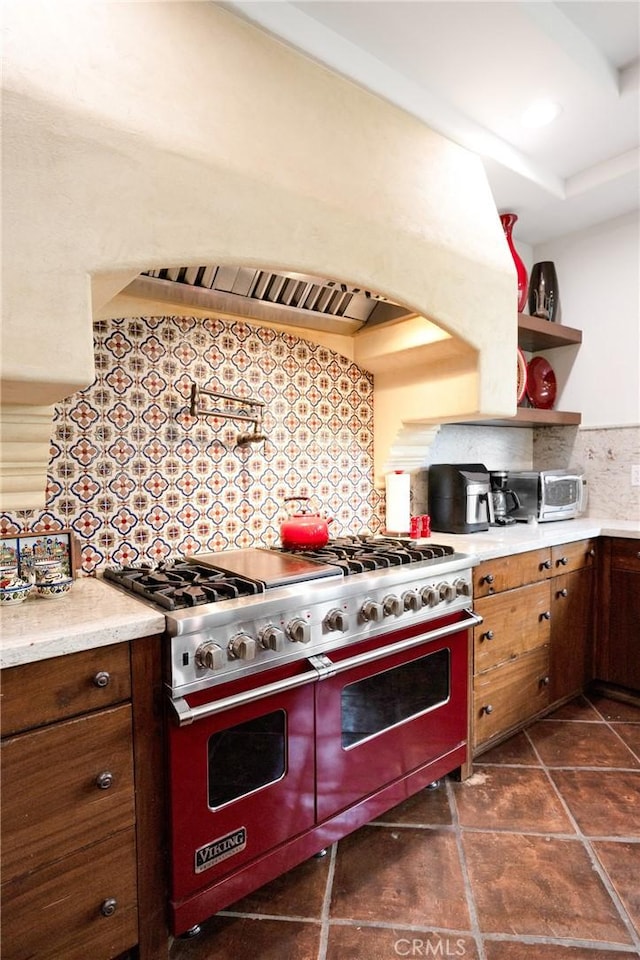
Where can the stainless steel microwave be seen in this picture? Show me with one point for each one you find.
(545, 495)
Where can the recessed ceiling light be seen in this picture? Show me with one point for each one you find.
(540, 113)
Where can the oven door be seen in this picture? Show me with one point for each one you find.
(241, 778)
(395, 707)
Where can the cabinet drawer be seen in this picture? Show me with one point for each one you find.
(510, 694)
(625, 555)
(48, 690)
(505, 573)
(573, 556)
(515, 622)
(53, 800)
(56, 912)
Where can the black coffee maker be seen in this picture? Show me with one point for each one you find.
(504, 500)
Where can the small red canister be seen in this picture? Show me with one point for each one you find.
(425, 525)
(415, 526)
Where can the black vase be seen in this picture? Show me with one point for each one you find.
(544, 300)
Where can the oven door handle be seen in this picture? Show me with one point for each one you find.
(327, 668)
(186, 714)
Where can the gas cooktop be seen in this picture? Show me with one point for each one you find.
(230, 574)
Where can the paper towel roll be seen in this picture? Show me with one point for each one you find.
(398, 507)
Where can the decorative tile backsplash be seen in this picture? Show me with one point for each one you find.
(139, 479)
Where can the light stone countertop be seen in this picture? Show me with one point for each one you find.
(94, 613)
(520, 537)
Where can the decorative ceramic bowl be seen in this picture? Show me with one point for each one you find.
(13, 590)
(48, 572)
(52, 590)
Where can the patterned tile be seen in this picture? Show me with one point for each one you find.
(137, 478)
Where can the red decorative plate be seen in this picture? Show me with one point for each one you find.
(522, 375)
(541, 384)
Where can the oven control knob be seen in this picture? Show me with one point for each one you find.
(447, 591)
(336, 620)
(392, 606)
(412, 600)
(210, 656)
(430, 596)
(463, 587)
(299, 631)
(242, 647)
(272, 638)
(371, 611)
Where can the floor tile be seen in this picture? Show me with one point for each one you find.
(539, 886)
(569, 743)
(605, 803)
(230, 938)
(622, 864)
(504, 950)
(578, 709)
(615, 709)
(510, 798)
(298, 893)
(630, 733)
(516, 749)
(380, 943)
(400, 876)
(428, 807)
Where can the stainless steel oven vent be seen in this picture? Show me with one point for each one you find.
(261, 294)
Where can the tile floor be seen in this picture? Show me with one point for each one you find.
(535, 857)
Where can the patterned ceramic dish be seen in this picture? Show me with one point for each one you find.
(52, 590)
(13, 591)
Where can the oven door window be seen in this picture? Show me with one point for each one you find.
(375, 704)
(246, 757)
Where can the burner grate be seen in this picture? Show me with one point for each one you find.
(359, 554)
(182, 585)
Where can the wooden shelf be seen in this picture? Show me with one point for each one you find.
(535, 334)
(532, 417)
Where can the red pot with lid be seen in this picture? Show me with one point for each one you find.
(303, 530)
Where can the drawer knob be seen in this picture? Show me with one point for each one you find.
(104, 780)
(546, 615)
(544, 682)
(488, 708)
(591, 552)
(108, 907)
(488, 635)
(545, 565)
(489, 578)
(563, 593)
(563, 561)
(102, 679)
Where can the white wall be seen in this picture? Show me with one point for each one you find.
(599, 284)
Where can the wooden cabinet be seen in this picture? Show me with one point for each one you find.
(572, 618)
(617, 658)
(68, 815)
(533, 647)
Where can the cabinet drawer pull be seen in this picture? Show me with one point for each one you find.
(102, 679)
(104, 780)
(488, 708)
(546, 615)
(489, 578)
(563, 561)
(108, 907)
(544, 682)
(545, 565)
(563, 593)
(488, 635)
(591, 552)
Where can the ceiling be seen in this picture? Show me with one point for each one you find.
(468, 69)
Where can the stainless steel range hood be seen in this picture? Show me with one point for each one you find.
(266, 295)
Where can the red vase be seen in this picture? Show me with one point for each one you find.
(508, 221)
